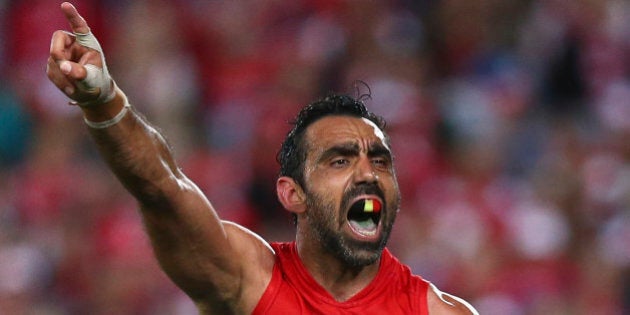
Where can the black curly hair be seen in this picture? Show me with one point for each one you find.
(292, 154)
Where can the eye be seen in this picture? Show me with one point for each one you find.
(339, 162)
(380, 162)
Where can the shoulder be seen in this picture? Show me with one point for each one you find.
(250, 245)
(256, 260)
(441, 303)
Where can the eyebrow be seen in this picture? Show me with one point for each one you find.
(352, 149)
(378, 149)
(344, 149)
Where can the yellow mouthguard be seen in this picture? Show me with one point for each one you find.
(368, 206)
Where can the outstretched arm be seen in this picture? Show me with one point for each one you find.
(220, 265)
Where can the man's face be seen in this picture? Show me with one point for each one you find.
(349, 165)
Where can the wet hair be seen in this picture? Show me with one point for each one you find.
(292, 154)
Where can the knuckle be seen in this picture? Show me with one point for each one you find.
(59, 33)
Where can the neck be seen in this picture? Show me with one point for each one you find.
(339, 279)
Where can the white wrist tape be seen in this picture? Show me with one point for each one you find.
(111, 122)
(96, 78)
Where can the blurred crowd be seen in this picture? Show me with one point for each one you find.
(510, 123)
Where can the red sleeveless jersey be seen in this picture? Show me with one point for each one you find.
(292, 290)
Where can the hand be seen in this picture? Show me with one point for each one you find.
(76, 64)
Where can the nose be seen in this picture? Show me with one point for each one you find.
(364, 172)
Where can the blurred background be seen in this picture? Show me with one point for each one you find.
(510, 123)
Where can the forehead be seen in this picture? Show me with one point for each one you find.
(330, 130)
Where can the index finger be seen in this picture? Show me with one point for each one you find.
(77, 22)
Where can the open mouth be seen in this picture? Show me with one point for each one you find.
(364, 216)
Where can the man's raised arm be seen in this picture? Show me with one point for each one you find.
(220, 265)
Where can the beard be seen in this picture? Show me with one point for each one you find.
(326, 226)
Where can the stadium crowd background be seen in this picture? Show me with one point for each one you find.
(510, 122)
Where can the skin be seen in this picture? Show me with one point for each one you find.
(330, 173)
(224, 267)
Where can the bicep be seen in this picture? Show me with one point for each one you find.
(201, 254)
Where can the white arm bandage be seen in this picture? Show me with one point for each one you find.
(111, 122)
(96, 78)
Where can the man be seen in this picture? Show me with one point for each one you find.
(337, 178)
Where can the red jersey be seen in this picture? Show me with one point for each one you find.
(292, 290)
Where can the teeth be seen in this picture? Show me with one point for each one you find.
(365, 227)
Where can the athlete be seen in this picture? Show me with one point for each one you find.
(337, 178)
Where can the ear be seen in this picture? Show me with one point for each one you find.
(290, 194)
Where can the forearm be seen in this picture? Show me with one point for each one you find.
(135, 151)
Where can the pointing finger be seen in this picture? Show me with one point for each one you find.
(77, 22)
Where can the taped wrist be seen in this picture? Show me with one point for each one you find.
(96, 78)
